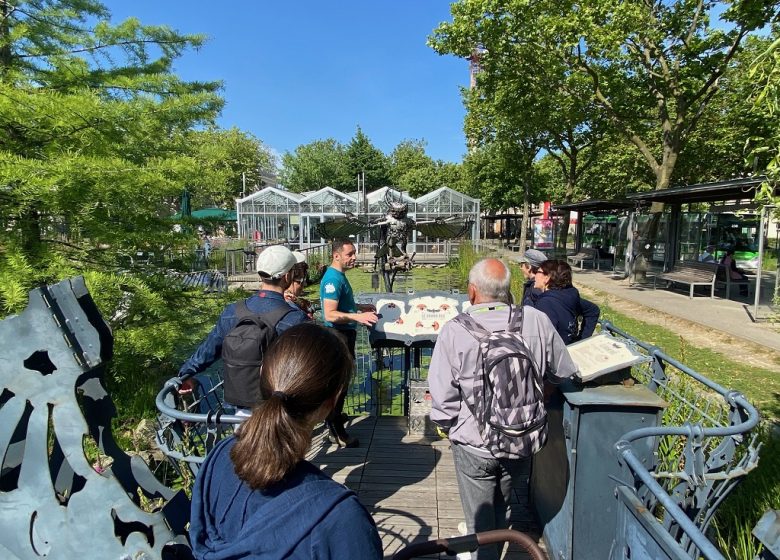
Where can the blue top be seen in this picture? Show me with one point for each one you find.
(210, 350)
(564, 307)
(305, 516)
(334, 285)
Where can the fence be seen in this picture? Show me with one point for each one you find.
(704, 449)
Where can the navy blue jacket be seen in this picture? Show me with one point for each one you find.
(305, 516)
(530, 293)
(563, 307)
(210, 350)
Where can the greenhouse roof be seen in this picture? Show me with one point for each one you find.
(442, 190)
(287, 194)
(379, 195)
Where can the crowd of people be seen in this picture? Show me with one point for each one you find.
(257, 497)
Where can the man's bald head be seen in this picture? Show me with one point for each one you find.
(490, 280)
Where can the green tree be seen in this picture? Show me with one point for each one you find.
(90, 150)
(412, 169)
(718, 147)
(645, 61)
(363, 156)
(521, 82)
(94, 154)
(322, 163)
(765, 71)
(229, 163)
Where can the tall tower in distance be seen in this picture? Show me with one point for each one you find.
(474, 67)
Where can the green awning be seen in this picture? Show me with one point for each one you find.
(212, 214)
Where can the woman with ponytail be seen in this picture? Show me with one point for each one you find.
(255, 496)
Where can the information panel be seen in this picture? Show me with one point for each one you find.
(602, 354)
(413, 317)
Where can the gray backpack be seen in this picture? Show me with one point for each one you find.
(508, 396)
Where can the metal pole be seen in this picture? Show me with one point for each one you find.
(762, 226)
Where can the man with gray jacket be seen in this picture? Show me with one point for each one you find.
(485, 482)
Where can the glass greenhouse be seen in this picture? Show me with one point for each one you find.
(273, 214)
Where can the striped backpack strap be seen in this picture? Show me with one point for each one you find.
(468, 323)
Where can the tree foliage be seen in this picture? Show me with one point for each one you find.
(414, 171)
(97, 143)
(229, 162)
(364, 157)
(651, 68)
(326, 163)
(765, 72)
(322, 163)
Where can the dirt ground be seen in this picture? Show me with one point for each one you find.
(738, 350)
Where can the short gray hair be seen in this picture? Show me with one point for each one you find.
(490, 286)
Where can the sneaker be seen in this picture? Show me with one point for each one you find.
(339, 436)
(345, 440)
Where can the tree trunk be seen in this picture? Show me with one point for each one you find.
(30, 228)
(649, 233)
(526, 213)
(5, 44)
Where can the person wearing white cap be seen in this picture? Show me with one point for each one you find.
(300, 276)
(275, 267)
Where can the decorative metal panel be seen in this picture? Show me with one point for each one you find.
(53, 501)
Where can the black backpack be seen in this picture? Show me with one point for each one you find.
(243, 350)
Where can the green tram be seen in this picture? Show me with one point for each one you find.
(722, 232)
(698, 230)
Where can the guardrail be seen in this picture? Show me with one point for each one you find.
(704, 450)
(193, 421)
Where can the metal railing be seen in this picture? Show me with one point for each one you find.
(704, 450)
(193, 421)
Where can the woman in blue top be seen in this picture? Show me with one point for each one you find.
(562, 303)
(255, 497)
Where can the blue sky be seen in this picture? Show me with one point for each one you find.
(303, 70)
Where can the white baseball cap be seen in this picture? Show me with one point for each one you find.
(275, 261)
(299, 257)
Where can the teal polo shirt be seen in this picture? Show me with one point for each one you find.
(334, 285)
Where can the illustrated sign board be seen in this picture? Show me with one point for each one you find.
(602, 354)
(413, 317)
(543, 234)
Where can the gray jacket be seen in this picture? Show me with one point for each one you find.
(451, 374)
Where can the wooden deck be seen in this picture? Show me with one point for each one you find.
(406, 482)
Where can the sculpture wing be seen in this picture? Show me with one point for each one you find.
(341, 227)
(444, 228)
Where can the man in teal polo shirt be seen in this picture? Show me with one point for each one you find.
(341, 313)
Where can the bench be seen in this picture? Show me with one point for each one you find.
(724, 278)
(592, 256)
(692, 273)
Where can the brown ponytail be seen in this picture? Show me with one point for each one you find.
(305, 366)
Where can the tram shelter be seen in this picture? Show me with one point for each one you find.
(683, 235)
(601, 224)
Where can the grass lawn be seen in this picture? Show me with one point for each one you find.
(761, 386)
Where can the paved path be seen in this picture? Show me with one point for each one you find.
(730, 316)
(406, 482)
